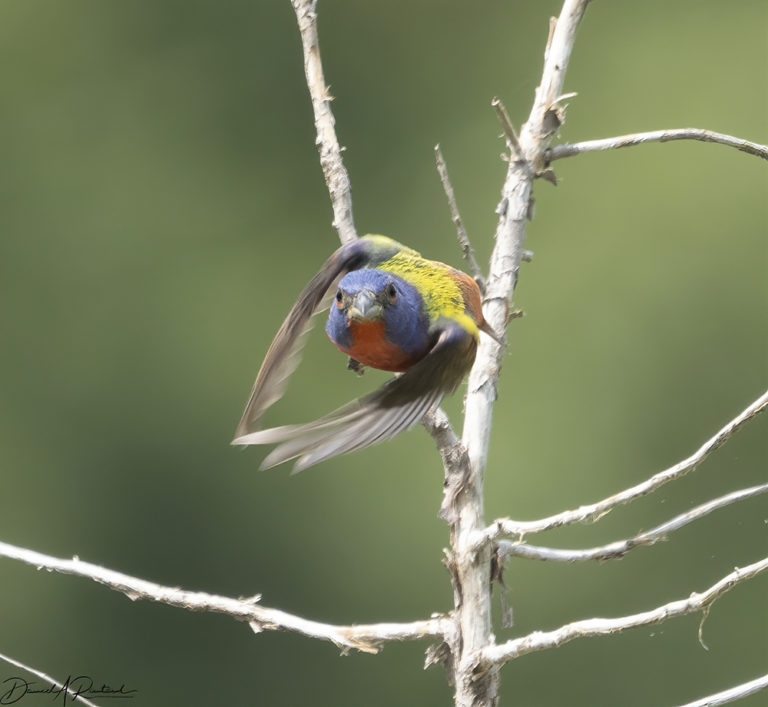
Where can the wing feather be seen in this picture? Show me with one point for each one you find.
(283, 355)
(396, 406)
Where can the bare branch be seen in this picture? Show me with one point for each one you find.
(335, 173)
(454, 457)
(66, 690)
(461, 232)
(543, 640)
(366, 638)
(513, 211)
(732, 694)
(509, 130)
(470, 565)
(612, 143)
(618, 549)
(594, 511)
(546, 114)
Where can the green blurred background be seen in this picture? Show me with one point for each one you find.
(161, 205)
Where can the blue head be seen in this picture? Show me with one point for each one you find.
(378, 318)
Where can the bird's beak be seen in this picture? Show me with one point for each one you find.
(364, 307)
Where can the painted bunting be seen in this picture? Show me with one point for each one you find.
(391, 309)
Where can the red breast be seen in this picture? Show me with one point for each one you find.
(372, 348)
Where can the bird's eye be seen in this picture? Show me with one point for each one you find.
(392, 292)
(339, 298)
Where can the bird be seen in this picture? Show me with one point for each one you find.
(390, 309)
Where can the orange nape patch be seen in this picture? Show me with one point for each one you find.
(372, 348)
(470, 293)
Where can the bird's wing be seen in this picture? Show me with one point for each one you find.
(283, 354)
(397, 405)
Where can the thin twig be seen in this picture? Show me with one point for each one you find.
(618, 549)
(732, 694)
(336, 176)
(461, 232)
(367, 638)
(509, 129)
(611, 143)
(543, 640)
(594, 511)
(14, 694)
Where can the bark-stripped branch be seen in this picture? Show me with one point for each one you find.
(509, 130)
(367, 638)
(455, 460)
(469, 564)
(732, 694)
(594, 511)
(612, 143)
(513, 210)
(14, 694)
(618, 549)
(335, 173)
(543, 640)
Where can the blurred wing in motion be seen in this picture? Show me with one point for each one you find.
(397, 405)
(283, 354)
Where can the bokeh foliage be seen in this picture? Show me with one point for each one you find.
(161, 204)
